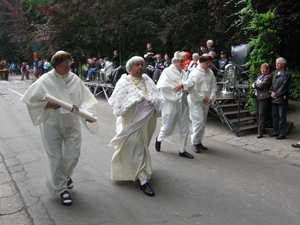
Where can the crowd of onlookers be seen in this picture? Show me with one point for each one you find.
(155, 64)
(100, 69)
(24, 69)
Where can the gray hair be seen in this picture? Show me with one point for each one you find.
(211, 42)
(133, 60)
(178, 56)
(213, 53)
(196, 55)
(282, 60)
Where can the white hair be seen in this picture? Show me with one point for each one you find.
(212, 53)
(133, 60)
(282, 60)
(211, 42)
(178, 56)
(196, 55)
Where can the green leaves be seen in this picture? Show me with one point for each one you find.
(295, 88)
(264, 40)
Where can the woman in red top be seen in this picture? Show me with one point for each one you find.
(187, 61)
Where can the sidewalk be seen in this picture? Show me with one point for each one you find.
(266, 145)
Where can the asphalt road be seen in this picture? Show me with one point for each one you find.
(225, 185)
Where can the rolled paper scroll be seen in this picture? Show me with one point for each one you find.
(71, 108)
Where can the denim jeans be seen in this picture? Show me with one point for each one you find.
(279, 119)
(90, 73)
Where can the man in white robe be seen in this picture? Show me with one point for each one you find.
(202, 93)
(136, 103)
(173, 85)
(60, 129)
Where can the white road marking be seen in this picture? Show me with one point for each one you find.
(15, 91)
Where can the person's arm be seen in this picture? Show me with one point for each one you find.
(286, 83)
(212, 96)
(264, 83)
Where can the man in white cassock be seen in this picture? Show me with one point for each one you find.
(173, 85)
(202, 93)
(60, 129)
(136, 103)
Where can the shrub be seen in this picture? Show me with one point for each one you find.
(295, 88)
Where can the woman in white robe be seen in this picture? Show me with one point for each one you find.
(60, 129)
(136, 103)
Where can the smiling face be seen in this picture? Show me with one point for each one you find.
(264, 70)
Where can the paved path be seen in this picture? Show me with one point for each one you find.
(13, 209)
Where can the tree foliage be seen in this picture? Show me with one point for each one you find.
(259, 28)
(16, 29)
(97, 27)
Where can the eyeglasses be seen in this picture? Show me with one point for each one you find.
(66, 63)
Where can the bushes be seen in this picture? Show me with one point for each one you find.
(264, 40)
(295, 88)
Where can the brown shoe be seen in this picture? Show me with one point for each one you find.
(296, 145)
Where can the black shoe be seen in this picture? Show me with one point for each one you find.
(147, 190)
(280, 137)
(70, 183)
(157, 145)
(186, 155)
(202, 147)
(196, 149)
(66, 198)
(259, 136)
(273, 135)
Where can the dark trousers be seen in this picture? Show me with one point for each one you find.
(149, 72)
(279, 119)
(262, 109)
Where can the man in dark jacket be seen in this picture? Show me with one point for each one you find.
(149, 60)
(280, 94)
(214, 66)
(222, 63)
(116, 59)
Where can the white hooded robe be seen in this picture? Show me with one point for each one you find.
(60, 129)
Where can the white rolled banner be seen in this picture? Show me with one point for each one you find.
(69, 107)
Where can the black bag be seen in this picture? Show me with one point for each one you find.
(253, 94)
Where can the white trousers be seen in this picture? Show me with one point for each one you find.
(61, 136)
(198, 116)
(175, 118)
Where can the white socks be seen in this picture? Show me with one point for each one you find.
(143, 182)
